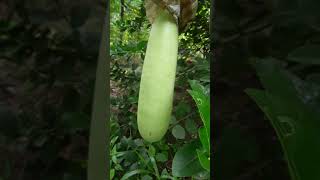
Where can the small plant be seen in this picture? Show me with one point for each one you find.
(194, 158)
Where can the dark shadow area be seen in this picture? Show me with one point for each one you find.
(246, 145)
(48, 61)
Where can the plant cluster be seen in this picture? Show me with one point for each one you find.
(183, 152)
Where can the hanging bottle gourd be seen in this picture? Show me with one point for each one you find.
(159, 68)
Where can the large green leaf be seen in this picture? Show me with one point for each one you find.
(185, 162)
(204, 139)
(202, 100)
(204, 159)
(204, 154)
(296, 125)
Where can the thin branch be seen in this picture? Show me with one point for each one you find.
(184, 118)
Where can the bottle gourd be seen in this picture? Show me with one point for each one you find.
(157, 78)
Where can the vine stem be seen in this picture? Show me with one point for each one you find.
(184, 118)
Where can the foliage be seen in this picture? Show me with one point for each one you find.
(285, 31)
(188, 159)
(132, 157)
(292, 105)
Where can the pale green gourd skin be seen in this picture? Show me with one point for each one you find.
(157, 79)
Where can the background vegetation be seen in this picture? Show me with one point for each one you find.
(47, 69)
(131, 156)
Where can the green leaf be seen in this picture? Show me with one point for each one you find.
(197, 87)
(185, 162)
(151, 151)
(133, 173)
(141, 46)
(173, 120)
(307, 54)
(113, 140)
(295, 123)
(205, 140)
(191, 126)
(112, 173)
(146, 177)
(154, 165)
(162, 157)
(162, 145)
(277, 82)
(178, 132)
(182, 110)
(138, 142)
(202, 100)
(164, 172)
(204, 159)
